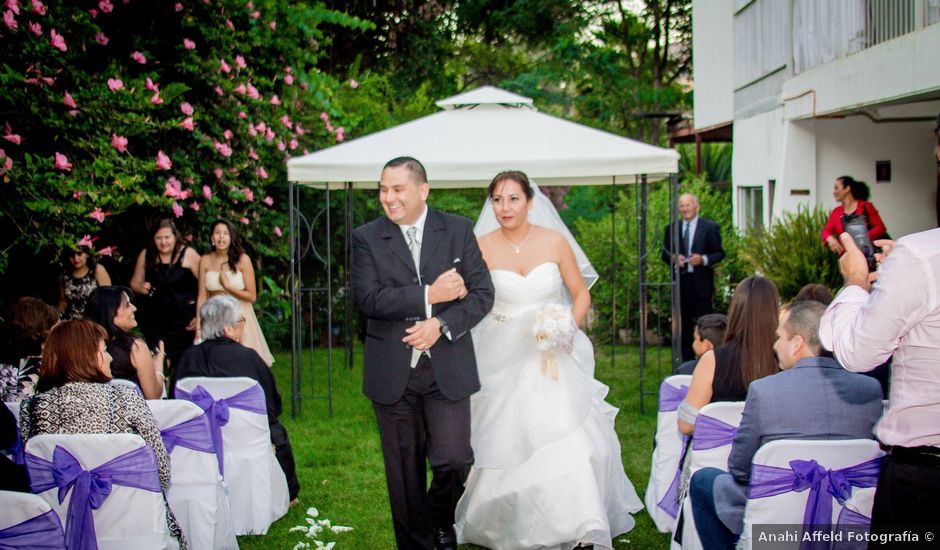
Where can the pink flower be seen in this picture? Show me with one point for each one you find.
(93, 13)
(187, 123)
(178, 7)
(185, 194)
(119, 143)
(206, 191)
(250, 5)
(285, 120)
(273, 25)
(255, 14)
(62, 162)
(227, 134)
(13, 6)
(73, 112)
(189, 44)
(218, 91)
(106, 6)
(277, 231)
(281, 146)
(177, 210)
(340, 134)
(268, 201)
(151, 86)
(163, 161)
(260, 126)
(97, 215)
(224, 67)
(249, 194)
(115, 84)
(251, 153)
(218, 175)
(324, 117)
(253, 92)
(9, 20)
(186, 108)
(156, 99)
(139, 57)
(173, 187)
(39, 7)
(67, 100)
(35, 28)
(252, 132)
(85, 241)
(7, 163)
(261, 173)
(13, 138)
(244, 221)
(241, 89)
(107, 251)
(241, 114)
(289, 79)
(299, 129)
(288, 69)
(77, 194)
(269, 134)
(229, 24)
(293, 144)
(329, 127)
(275, 100)
(195, 206)
(223, 149)
(353, 84)
(57, 41)
(102, 39)
(240, 61)
(304, 86)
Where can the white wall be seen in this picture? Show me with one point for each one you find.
(713, 61)
(755, 157)
(851, 146)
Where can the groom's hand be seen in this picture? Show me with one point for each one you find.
(423, 334)
(448, 286)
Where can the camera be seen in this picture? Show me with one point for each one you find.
(858, 229)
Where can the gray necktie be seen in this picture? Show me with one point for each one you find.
(687, 244)
(415, 247)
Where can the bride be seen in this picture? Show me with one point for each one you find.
(547, 472)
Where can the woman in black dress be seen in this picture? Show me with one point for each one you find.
(166, 282)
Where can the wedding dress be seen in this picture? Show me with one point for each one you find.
(547, 470)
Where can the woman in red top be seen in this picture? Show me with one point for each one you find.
(854, 198)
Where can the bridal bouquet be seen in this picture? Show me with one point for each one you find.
(554, 327)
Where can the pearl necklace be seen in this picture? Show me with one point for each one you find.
(517, 247)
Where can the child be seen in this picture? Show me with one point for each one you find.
(709, 332)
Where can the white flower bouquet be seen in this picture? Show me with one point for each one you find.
(553, 327)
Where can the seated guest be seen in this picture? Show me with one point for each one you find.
(30, 320)
(746, 354)
(220, 355)
(812, 398)
(111, 307)
(709, 333)
(75, 398)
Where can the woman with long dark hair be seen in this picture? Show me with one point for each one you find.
(852, 197)
(81, 275)
(165, 280)
(228, 270)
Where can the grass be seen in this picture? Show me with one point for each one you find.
(339, 460)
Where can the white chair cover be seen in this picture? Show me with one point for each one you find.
(197, 494)
(126, 383)
(728, 412)
(17, 508)
(257, 487)
(666, 451)
(129, 517)
(789, 507)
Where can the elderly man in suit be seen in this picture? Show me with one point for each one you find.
(812, 398)
(419, 278)
(695, 258)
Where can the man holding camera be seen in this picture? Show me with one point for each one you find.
(899, 316)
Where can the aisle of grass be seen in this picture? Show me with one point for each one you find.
(339, 461)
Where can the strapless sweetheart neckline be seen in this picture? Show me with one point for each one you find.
(526, 276)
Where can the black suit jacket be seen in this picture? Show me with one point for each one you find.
(386, 289)
(707, 242)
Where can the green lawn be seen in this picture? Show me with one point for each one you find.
(339, 461)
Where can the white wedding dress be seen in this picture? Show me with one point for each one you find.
(547, 470)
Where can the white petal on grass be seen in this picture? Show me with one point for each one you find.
(340, 529)
(313, 512)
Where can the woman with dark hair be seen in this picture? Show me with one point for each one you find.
(747, 354)
(75, 397)
(111, 307)
(165, 280)
(228, 270)
(81, 275)
(29, 321)
(853, 198)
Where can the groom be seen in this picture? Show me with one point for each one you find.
(421, 282)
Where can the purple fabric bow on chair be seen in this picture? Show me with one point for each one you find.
(137, 468)
(16, 450)
(711, 433)
(670, 397)
(217, 410)
(823, 485)
(195, 434)
(42, 532)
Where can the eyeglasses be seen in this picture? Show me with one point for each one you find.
(242, 320)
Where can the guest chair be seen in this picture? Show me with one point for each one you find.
(668, 448)
(197, 494)
(28, 522)
(132, 515)
(126, 383)
(237, 413)
(779, 466)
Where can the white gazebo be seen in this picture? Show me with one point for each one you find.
(476, 135)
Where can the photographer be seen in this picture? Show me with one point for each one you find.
(899, 316)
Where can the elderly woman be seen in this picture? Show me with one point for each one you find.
(222, 323)
(75, 398)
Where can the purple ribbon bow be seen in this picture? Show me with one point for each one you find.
(711, 433)
(137, 468)
(42, 532)
(768, 481)
(217, 411)
(15, 451)
(195, 434)
(670, 397)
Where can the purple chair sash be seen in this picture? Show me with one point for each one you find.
(217, 410)
(42, 532)
(137, 468)
(15, 451)
(768, 481)
(711, 433)
(670, 501)
(195, 434)
(670, 396)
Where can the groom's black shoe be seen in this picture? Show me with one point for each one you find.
(445, 539)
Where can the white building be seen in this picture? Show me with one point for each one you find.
(816, 89)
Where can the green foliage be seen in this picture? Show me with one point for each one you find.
(792, 254)
(716, 161)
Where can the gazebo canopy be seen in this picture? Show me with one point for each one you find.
(481, 133)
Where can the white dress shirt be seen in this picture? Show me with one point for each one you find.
(901, 316)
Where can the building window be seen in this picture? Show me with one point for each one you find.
(750, 207)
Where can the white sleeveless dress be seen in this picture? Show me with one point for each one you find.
(547, 470)
(252, 337)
